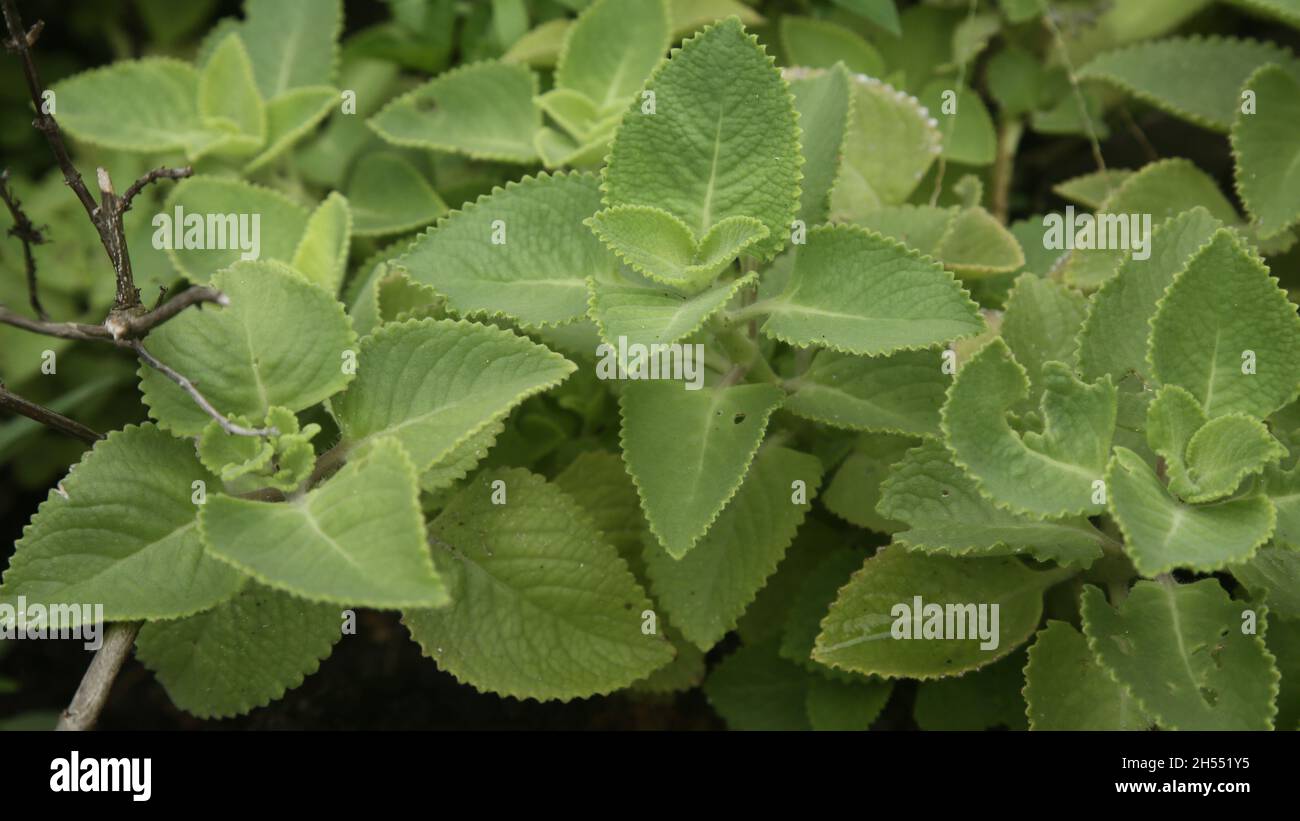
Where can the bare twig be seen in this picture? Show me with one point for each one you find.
(199, 399)
(29, 234)
(163, 173)
(83, 711)
(1009, 133)
(120, 325)
(51, 419)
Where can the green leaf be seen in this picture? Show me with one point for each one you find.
(611, 48)
(322, 254)
(356, 540)
(968, 134)
(228, 95)
(599, 483)
(1050, 473)
(435, 383)
(1196, 78)
(1092, 190)
(985, 699)
(1067, 689)
(540, 48)
(1162, 533)
(626, 305)
(856, 633)
(527, 275)
(1267, 151)
(145, 105)
(543, 607)
(689, 450)
(944, 513)
(1220, 307)
(815, 43)
(722, 141)
(1283, 488)
(968, 241)
(242, 654)
(289, 118)
(1163, 189)
(1207, 460)
(855, 491)
(388, 195)
(120, 530)
(844, 295)
(755, 689)
(281, 341)
(891, 142)
(1272, 575)
(210, 208)
(292, 43)
(706, 591)
(1115, 334)
(662, 247)
(900, 393)
(1042, 318)
(1180, 651)
(483, 110)
(1288, 11)
(822, 100)
(883, 13)
(812, 599)
(845, 705)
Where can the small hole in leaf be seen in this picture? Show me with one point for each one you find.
(740, 417)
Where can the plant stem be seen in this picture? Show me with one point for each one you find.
(51, 419)
(83, 711)
(1009, 133)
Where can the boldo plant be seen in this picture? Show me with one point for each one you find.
(725, 371)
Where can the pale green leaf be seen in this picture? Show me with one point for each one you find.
(1161, 533)
(1180, 651)
(1267, 150)
(689, 450)
(857, 633)
(612, 48)
(540, 48)
(1041, 320)
(322, 254)
(1068, 690)
(1221, 306)
(813, 43)
(227, 93)
(121, 530)
(281, 341)
(484, 110)
(854, 492)
(1273, 576)
(721, 141)
(292, 43)
(520, 252)
(1049, 473)
(891, 142)
(643, 312)
(844, 294)
(899, 393)
(968, 134)
(822, 100)
(689, 15)
(1196, 78)
(812, 599)
(388, 195)
(435, 383)
(968, 241)
(1283, 488)
(356, 540)
(289, 118)
(662, 247)
(543, 607)
(944, 513)
(1114, 337)
(241, 220)
(1092, 190)
(242, 654)
(706, 591)
(1287, 11)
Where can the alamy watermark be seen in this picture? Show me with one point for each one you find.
(83, 622)
(920, 620)
(199, 232)
(684, 362)
(1084, 231)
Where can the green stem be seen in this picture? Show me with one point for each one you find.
(745, 352)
